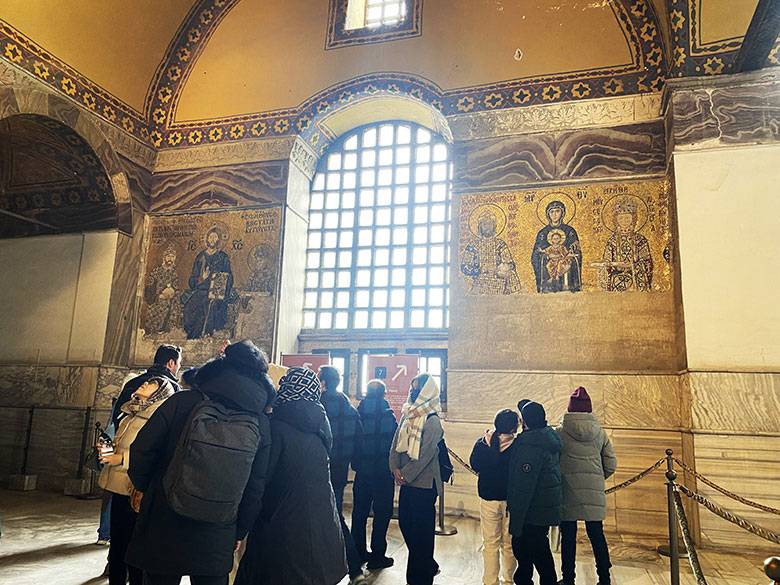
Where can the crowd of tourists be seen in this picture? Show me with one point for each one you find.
(239, 464)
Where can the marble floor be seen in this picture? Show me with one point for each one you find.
(49, 539)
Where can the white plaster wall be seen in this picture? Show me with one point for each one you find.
(54, 297)
(728, 204)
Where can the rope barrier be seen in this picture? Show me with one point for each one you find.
(759, 531)
(625, 484)
(693, 556)
(636, 478)
(724, 491)
(460, 460)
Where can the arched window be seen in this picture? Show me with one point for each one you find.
(379, 232)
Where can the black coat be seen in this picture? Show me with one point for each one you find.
(344, 423)
(169, 544)
(135, 383)
(297, 539)
(493, 469)
(373, 444)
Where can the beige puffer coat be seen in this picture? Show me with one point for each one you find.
(587, 459)
(114, 477)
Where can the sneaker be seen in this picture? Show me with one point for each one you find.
(358, 580)
(379, 563)
(102, 542)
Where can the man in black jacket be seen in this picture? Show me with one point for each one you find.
(345, 424)
(167, 363)
(374, 482)
(165, 544)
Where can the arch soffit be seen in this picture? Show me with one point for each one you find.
(16, 100)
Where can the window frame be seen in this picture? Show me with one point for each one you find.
(411, 290)
(338, 35)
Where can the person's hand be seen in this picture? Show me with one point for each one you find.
(399, 479)
(238, 545)
(113, 459)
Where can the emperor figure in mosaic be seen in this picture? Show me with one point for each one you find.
(161, 292)
(627, 262)
(557, 256)
(487, 260)
(210, 292)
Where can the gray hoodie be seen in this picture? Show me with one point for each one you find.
(587, 459)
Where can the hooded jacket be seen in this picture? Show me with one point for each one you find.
(587, 459)
(534, 489)
(164, 542)
(492, 466)
(297, 538)
(373, 444)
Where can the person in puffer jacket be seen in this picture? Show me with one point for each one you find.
(534, 496)
(374, 485)
(587, 459)
(490, 459)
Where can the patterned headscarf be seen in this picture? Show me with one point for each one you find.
(299, 384)
(138, 404)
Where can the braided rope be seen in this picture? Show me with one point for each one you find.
(733, 518)
(626, 483)
(693, 556)
(460, 460)
(724, 491)
(637, 477)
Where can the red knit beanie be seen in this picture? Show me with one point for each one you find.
(580, 401)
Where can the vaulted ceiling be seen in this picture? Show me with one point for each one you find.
(154, 66)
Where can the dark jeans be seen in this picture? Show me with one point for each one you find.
(122, 525)
(377, 490)
(104, 528)
(598, 542)
(532, 549)
(338, 478)
(417, 520)
(176, 579)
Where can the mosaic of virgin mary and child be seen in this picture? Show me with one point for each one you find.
(557, 255)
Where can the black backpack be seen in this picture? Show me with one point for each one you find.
(210, 468)
(446, 468)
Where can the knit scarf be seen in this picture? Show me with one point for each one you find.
(138, 404)
(414, 415)
(505, 440)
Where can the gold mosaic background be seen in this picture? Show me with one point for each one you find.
(250, 239)
(589, 210)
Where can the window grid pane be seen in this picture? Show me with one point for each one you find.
(384, 12)
(378, 244)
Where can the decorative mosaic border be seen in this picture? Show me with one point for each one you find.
(690, 58)
(338, 36)
(646, 74)
(27, 55)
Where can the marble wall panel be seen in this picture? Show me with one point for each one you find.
(609, 152)
(109, 384)
(500, 162)
(744, 465)
(735, 402)
(621, 401)
(512, 161)
(47, 385)
(233, 186)
(739, 109)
